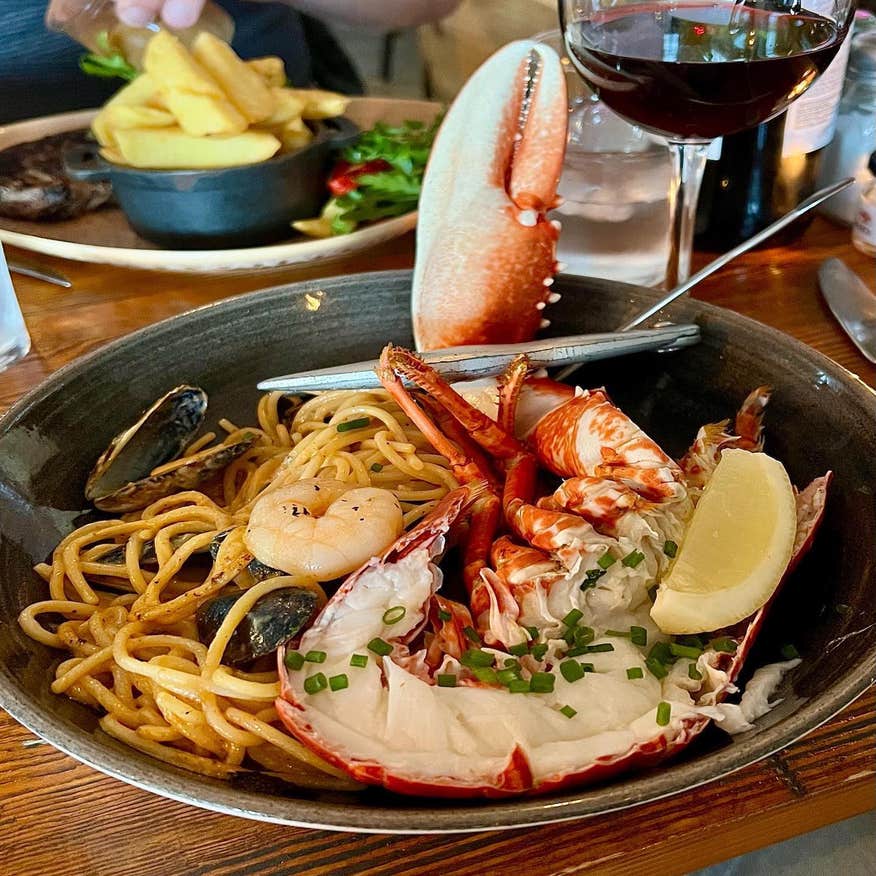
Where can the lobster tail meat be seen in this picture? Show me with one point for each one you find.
(485, 247)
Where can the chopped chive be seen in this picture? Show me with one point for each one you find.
(539, 651)
(587, 667)
(577, 651)
(571, 670)
(360, 661)
(635, 672)
(842, 608)
(632, 559)
(506, 676)
(519, 685)
(606, 561)
(590, 579)
(519, 650)
(568, 711)
(315, 656)
(446, 680)
(670, 548)
(693, 672)
(789, 652)
(475, 657)
(471, 634)
(533, 633)
(339, 682)
(684, 651)
(691, 641)
(294, 659)
(639, 636)
(444, 615)
(598, 649)
(350, 425)
(315, 683)
(572, 618)
(511, 663)
(569, 635)
(542, 682)
(664, 710)
(376, 466)
(619, 633)
(485, 674)
(660, 652)
(724, 644)
(584, 635)
(656, 668)
(378, 646)
(394, 615)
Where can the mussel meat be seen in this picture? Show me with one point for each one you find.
(120, 480)
(274, 619)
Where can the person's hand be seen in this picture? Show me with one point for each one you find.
(174, 13)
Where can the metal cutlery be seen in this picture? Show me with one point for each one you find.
(851, 302)
(39, 272)
(489, 360)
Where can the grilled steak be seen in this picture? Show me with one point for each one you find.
(33, 184)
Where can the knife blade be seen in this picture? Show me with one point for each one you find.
(38, 272)
(467, 363)
(851, 302)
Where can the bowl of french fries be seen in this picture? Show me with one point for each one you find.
(205, 150)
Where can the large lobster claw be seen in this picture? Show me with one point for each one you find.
(485, 247)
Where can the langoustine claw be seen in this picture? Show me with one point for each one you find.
(485, 247)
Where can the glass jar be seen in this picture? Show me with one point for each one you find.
(855, 137)
(94, 24)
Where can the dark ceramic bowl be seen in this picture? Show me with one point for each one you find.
(251, 205)
(821, 417)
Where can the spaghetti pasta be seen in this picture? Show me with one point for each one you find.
(123, 593)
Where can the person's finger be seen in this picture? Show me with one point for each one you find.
(138, 13)
(181, 13)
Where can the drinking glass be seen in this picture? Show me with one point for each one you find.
(695, 70)
(14, 339)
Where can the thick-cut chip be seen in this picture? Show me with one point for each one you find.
(169, 63)
(295, 134)
(321, 104)
(270, 68)
(287, 106)
(142, 91)
(121, 116)
(200, 114)
(243, 85)
(173, 149)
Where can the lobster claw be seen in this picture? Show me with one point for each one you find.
(485, 247)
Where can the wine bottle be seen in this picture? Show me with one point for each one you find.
(760, 174)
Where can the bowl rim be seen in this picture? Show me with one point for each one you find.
(410, 816)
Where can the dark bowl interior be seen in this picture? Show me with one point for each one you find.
(820, 418)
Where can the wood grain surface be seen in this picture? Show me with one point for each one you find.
(59, 817)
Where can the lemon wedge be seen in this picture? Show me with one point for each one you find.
(736, 548)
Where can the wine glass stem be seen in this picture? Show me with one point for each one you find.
(688, 164)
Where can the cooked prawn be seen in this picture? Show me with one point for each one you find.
(322, 527)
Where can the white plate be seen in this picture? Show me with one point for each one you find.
(105, 237)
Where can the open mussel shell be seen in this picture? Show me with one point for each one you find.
(274, 619)
(188, 476)
(159, 435)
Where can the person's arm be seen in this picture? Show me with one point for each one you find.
(387, 14)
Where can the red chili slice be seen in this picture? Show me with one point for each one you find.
(343, 177)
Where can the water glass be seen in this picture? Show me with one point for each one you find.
(615, 187)
(14, 339)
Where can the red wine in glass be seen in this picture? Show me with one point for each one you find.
(694, 71)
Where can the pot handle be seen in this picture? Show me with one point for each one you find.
(83, 161)
(342, 131)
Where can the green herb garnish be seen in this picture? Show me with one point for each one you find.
(670, 548)
(339, 682)
(378, 646)
(394, 615)
(315, 683)
(568, 711)
(360, 661)
(294, 659)
(635, 672)
(350, 425)
(446, 680)
(664, 710)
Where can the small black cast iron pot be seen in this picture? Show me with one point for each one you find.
(220, 208)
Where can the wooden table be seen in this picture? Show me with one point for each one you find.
(57, 816)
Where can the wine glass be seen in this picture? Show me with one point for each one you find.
(694, 70)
